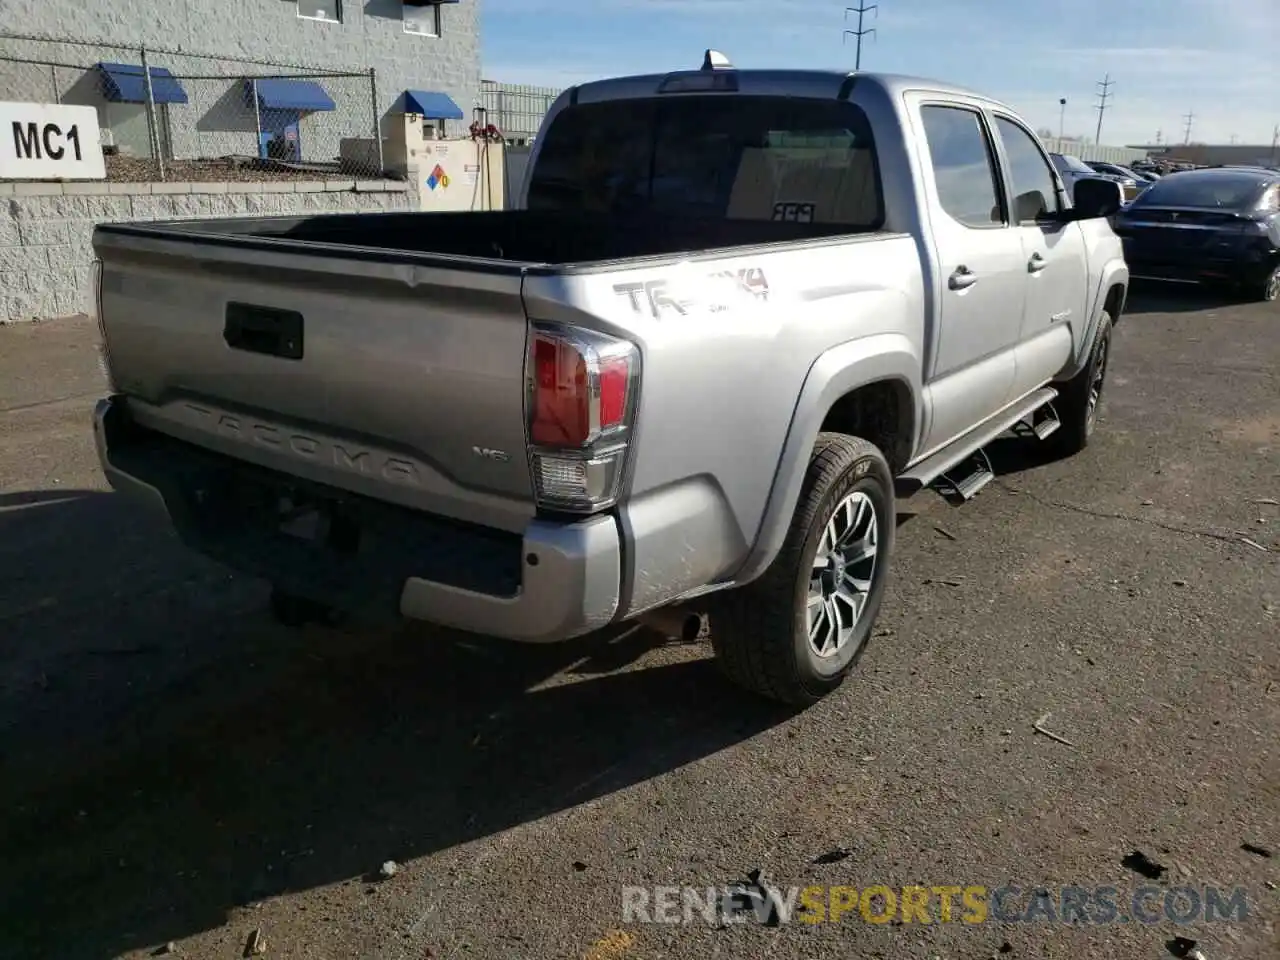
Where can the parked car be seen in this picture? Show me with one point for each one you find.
(1142, 180)
(1217, 226)
(1072, 169)
(732, 316)
(1130, 183)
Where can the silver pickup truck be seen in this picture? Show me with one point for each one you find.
(733, 315)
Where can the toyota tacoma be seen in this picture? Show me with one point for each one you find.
(730, 317)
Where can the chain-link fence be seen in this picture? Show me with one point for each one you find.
(516, 109)
(166, 115)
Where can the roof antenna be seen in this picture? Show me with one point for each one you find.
(715, 60)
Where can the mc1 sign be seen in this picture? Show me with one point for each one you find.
(44, 141)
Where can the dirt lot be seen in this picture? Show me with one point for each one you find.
(132, 169)
(176, 768)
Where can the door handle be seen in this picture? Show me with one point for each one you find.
(962, 279)
(1036, 263)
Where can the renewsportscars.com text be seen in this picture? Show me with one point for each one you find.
(881, 904)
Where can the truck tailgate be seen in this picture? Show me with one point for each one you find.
(387, 378)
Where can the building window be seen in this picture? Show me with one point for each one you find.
(327, 10)
(422, 19)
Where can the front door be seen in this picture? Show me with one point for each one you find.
(980, 277)
(278, 138)
(1057, 299)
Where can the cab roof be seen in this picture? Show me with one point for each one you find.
(815, 83)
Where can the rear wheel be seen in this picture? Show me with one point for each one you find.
(1080, 398)
(795, 633)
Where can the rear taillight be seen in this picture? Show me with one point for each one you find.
(582, 388)
(95, 298)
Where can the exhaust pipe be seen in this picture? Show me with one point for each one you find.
(676, 623)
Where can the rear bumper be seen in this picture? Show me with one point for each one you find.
(1220, 264)
(554, 582)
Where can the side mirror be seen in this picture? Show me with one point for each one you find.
(1094, 198)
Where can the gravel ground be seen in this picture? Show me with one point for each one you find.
(227, 170)
(177, 768)
(132, 170)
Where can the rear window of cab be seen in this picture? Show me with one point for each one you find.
(737, 157)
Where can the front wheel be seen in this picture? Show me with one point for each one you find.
(1080, 398)
(794, 634)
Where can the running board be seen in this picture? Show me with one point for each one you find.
(962, 448)
(1045, 421)
(979, 474)
(1042, 423)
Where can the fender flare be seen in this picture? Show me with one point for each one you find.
(1114, 271)
(880, 358)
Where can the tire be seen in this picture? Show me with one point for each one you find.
(1079, 399)
(1269, 289)
(760, 632)
(291, 610)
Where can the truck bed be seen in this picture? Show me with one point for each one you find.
(519, 239)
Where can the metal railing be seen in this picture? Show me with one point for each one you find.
(170, 115)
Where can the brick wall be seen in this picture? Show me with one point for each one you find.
(46, 229)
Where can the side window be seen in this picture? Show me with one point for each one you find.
(1034, 193)
(963, 165)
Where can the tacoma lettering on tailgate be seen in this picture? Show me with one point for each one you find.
(346, 457)
(657, 296)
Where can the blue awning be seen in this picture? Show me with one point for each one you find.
(428, 103)
(126, 83)
(275, 93)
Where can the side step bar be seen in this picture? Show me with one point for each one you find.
(1042, 423)
(979, 474)
(935, 467)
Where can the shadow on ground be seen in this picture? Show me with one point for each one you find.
(170, 754)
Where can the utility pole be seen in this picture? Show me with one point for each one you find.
(1105, 93)
(861, 11)
(1187, 118)
(1159, 137)
(1062, 115)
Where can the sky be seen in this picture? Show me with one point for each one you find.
(1216, 59)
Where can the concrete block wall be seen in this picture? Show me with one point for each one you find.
(371, 34)
(46, 229)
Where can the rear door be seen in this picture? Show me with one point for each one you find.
(1055, 259)
(981, 271)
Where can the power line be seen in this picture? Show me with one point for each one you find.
(1187, 118)
(861, 11)
(1106, 84)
